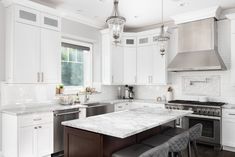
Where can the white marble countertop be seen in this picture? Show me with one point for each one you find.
(36, 108)
(49, 107)
(127, 123)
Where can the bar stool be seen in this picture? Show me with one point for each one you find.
(139, 150)
(177, 143)
(195, 133)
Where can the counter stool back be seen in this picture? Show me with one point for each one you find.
(195, 133)
(179, 143)
(160, 151)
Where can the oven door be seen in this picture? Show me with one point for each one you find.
(211, 129)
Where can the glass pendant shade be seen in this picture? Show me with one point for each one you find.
(163, 40)
(163, 37)
(116, 24)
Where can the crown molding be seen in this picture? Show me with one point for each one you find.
(81, 19)
(230, 16)
(197, 15)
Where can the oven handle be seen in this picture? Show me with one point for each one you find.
(202, 116)
(66, 113)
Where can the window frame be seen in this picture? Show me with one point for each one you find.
(87, 79)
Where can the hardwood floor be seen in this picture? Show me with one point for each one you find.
(207, 151)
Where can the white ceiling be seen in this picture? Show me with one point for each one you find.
(139, 13)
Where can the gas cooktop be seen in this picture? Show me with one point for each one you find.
(196, 102)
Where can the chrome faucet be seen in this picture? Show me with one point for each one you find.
(86, 97)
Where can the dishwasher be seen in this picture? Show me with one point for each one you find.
(59, 117)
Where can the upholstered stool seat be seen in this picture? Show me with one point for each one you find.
(139, 150)
(156, 140)
(132, 151)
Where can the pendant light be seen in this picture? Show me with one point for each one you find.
(116, 23)
(162, 38)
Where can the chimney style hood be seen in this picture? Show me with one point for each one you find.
(197, 47)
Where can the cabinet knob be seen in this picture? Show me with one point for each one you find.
(40, 127)
(35, 127)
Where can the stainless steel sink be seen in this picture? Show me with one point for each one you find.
(94, 109)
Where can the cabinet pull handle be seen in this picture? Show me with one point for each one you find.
(231, 114)
(42, 76)
(37, 119)
(38, 77)
(112, 79)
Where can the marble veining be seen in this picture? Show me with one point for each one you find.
(127, 123)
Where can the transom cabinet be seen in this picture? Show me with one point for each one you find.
(33, 42)
(136, 61)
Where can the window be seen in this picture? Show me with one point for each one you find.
(76, 63)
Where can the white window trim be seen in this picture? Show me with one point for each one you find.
(87, 82)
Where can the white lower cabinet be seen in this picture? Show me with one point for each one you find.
(28, 135)
(121, 106)
(228, 129)
(133, 105)
(26, 141)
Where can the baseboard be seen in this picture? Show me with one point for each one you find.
(231, 149)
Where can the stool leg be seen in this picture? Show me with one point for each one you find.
(180, 154)
(189, 149)
(195, 148)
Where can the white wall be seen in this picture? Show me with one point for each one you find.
(2, 55)
(227, 91)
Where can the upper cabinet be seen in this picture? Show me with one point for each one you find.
(33, 44)
(232, 21)
(136, 61)
(112, 61)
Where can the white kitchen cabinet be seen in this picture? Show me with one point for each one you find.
(117, 64)
(44, 139)
(142, 62)
(145, 104)
(112, 61)
(32, 47)
(159, 76)
(130, 57)
(26, 141)
(233, 59)
(144, 65)
(28, 135)
(50, 56)
(26, 59)
(50, 22)
(26, 15)
(228, 129)
(121, 106)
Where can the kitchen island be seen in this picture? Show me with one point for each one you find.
(100, 136)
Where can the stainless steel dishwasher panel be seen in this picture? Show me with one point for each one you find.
(59, 117)
(94, 110)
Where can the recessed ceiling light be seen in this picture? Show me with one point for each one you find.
(79, 10)
(183, 4)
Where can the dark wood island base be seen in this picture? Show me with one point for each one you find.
(81, 143)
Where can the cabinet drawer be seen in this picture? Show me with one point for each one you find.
(121, 106)
(34, 119)
(228, 113)
(27, 15)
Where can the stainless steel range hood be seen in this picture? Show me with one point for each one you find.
(197, 47)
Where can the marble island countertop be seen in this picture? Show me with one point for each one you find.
(127, 123)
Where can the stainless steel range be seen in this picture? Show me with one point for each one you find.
(206, 113)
